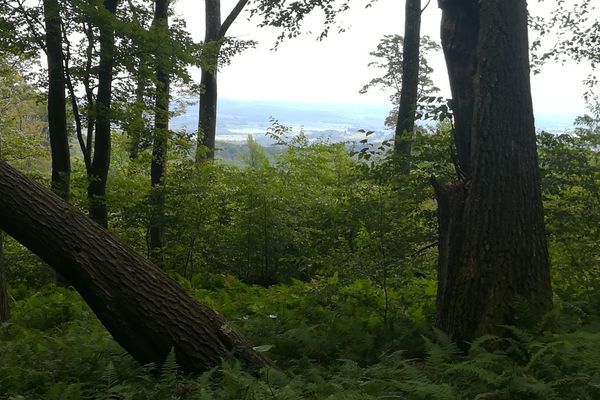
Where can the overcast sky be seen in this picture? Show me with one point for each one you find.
(306, 70)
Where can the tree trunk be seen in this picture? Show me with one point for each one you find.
(4, 307)
(492, 244)
(410, 84)
(146, 312)
(207, 121)
(57, 115)
(459, 35)
(136, 127)
(161, 134)
(102, 145)
(215, 31)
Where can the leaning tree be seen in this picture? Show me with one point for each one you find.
(492, 242)
(145, 311)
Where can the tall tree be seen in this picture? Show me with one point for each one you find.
(213, 39)
(410, 83)
(492, 242)
(4, 307)
(98, 175)
(161, 130)
(146, 312)
(57, 114)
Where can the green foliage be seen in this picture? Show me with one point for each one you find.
(571, 188)
(570, 32)
(327, 343)
(389, 59)
(343, 251)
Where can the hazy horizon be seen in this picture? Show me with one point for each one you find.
(336, 120)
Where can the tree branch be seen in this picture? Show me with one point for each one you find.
(425, 8)
(232, 17)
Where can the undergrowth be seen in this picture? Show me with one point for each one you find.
(327, 338)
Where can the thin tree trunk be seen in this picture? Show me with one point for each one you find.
(215, 31)
(136, 127)
(4, 307)
(207, 122)
(161, 134)
(410, 84)
(89, 93)
(146, 312)
(102, 145)
(492, 244)
(57, 116)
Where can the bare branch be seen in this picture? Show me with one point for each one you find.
(232, 17)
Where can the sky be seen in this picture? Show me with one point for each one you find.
(333, 70)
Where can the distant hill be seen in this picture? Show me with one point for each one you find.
(337, 122)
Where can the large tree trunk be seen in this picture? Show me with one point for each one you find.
(492, 245)
(98, 173)
(410, 84)
(207, 122)
(57, 115)
(4, 307)
(161, 134)
(146, 312)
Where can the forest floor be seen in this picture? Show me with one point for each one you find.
(328, 340)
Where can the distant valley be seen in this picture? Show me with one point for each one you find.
(336, 122)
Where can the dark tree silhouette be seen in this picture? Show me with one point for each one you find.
(410, 84)
(215, 32)
(57, 114)
(161, 131)
(98, 172)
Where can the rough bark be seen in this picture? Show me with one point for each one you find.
(146, 312)
(102, 145)
(215, 31)
(410, 84)
(161, 134)
(492, 244)
(57, 115)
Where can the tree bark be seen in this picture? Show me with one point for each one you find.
(57, 115)
(492, 242)
(146, 312)
(207, 121)
(459, 35)
(102, 145)
(215, 31)
(410, 84)
(4, 307)
(161, 134)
